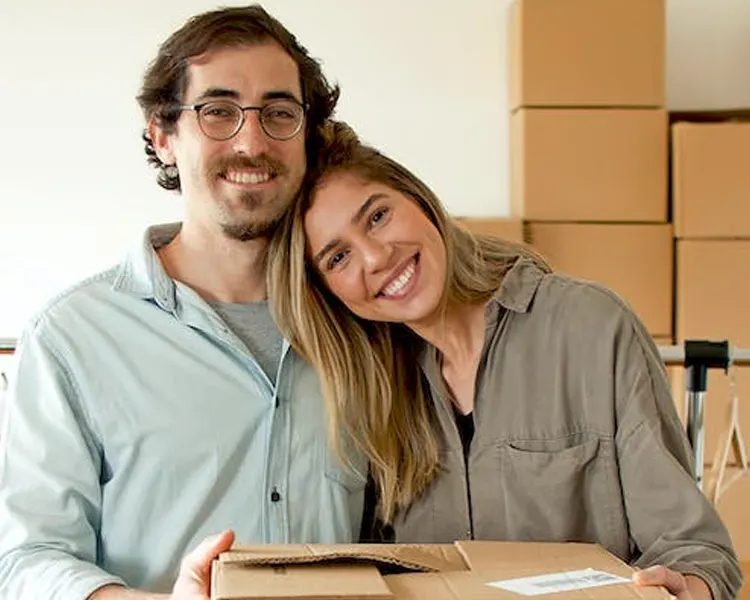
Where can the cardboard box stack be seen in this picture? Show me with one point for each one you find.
(505, 228)
(590, 168)
(589, 141)
(711, 207)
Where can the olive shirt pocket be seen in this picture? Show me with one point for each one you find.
(558, 488)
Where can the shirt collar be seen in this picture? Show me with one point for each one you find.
(515, 294)
(142, 273)
(519, 286)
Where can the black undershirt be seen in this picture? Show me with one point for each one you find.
(465, 424)
(373, 530)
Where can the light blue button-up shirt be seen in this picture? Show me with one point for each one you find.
(138, 424)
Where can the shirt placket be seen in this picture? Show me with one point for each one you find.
(278, 467)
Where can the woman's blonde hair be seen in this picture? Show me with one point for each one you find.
(371, 381)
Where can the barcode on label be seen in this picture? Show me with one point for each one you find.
(558, 582)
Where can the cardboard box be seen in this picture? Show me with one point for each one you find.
(586, 53)
(635, 261)
(464, 570)
(710, 175)
(745, 591)
(712, 300)
(589, 165)
(732, 507)
(506, 228)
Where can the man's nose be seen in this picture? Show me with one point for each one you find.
(251, 139)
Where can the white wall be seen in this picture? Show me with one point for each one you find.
(423, 79)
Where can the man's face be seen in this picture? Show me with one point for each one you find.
(244, 184)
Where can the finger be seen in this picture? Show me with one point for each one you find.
(199, 560)
(660, 575)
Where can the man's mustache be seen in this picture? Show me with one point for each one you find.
(237, 163)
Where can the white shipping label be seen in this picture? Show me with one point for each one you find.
(558, 582)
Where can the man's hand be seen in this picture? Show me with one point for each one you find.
(683, 587)
(194, 579)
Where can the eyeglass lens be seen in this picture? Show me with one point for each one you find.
(280, 119)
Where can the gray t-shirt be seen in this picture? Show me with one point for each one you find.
(253, 324)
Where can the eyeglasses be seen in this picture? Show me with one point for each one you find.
(222, 119)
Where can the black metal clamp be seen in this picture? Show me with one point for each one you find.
(700, 356)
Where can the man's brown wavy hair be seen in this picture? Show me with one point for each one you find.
(166, 78)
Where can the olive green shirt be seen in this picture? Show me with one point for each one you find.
(576, 438)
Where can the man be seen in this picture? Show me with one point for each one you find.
(156, 403)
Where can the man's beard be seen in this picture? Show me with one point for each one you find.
(251, 228)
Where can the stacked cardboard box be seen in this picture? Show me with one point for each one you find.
(589, 144)
(505, 228)
(711, 208)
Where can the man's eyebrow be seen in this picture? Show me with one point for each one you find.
(280, 95)
(355, 219)
(216, 92)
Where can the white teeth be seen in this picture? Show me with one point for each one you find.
(253, 178)
(400, 282)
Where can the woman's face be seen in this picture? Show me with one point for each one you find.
(376, 250)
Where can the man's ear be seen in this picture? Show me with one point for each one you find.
(161, 141)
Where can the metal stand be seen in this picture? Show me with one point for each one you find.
(7, 345)
(698, 356)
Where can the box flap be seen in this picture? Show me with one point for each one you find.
(299, 582)
(468, 585)
(521, 559)
(493, 563)
(410, 557)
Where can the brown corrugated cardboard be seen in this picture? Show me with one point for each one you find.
(710, 176)
(462, 571)
(732, 507)
(635, 261)
(589, 165)
(513, 559)
(712, 299)
(308, 572)
(304, 582)
(506, 228)
(586, 53)
(416, 557)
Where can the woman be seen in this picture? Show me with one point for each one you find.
(493, 398)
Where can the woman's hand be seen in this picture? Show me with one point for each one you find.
(683, 587)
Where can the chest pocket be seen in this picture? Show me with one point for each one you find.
(557, 489)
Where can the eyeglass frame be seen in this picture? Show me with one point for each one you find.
(197, 108)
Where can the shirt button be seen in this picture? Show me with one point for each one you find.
(275, 496)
